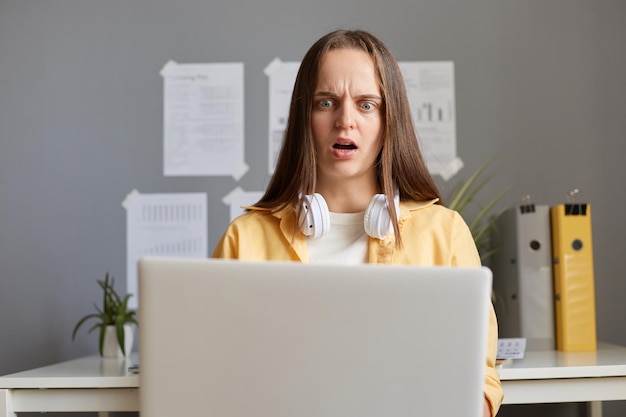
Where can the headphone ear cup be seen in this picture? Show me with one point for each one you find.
(314, 217)
(377, 222)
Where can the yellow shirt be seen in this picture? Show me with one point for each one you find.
(431, 235)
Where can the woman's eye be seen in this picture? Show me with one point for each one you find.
(367, 106)
(325, 104)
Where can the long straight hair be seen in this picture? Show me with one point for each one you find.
(399, 165)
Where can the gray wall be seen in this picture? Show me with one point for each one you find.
(539, 84)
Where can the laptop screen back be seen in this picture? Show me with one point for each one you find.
(239, 339)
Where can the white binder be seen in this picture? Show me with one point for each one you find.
(522, 275)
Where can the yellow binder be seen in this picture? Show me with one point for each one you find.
(572, 255)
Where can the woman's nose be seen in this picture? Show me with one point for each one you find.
(345, 117)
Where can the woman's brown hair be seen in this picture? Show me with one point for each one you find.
(400, 165)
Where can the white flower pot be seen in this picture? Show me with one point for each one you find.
(111, 347)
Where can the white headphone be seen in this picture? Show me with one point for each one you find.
(314, 216)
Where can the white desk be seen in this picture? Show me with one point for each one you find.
(95, 384)
(549, 376)
(90, 384)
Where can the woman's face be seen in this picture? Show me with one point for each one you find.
(346, 117)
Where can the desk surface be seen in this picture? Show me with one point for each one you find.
(97, 384)
(609, 360)
(95, 372)
(87, 372)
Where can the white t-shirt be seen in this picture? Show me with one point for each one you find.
(345, 242)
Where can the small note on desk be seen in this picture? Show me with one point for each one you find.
(511, 348)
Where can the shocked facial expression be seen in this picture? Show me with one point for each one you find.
(346, 117)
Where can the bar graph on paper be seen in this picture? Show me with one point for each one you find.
(168, 225)
(434, 112)
(430, 87)
(435, 124)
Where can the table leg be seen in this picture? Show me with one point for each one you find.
(594, 409)
(6, 403)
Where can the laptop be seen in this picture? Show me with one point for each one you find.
(226, 338)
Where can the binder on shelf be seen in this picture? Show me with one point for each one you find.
(522, 276)
(574, 288)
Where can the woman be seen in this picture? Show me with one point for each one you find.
(350, 183)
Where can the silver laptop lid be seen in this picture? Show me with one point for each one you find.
(239, 339)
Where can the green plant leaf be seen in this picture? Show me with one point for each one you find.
(483, 223)
(119, 329)
(484, 212)
(81, 321)
(101, 339)
(465, 193)
(94, 327)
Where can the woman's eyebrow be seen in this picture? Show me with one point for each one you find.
(370, 96)
(360, 96)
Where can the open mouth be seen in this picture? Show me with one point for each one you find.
(344, 146)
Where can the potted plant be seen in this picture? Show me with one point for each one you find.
(114, 321)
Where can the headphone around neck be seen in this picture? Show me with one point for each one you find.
(314, 216)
